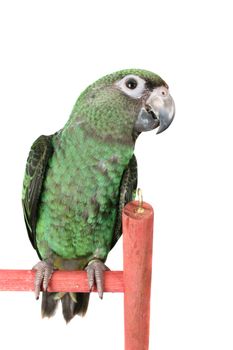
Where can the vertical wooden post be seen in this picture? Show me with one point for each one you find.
(137, 250)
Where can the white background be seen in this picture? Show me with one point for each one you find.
(50, 51)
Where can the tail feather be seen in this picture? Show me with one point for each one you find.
(49, 304)
(70, 308)
(72, 304)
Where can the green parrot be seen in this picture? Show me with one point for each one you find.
(78, 180)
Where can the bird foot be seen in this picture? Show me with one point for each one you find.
(95, 274)
(44, 271)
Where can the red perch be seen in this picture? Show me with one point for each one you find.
(137, 246)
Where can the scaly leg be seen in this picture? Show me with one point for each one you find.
(95, 273)
(44, 271)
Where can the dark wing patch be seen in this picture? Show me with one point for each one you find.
(37, 161)
(127, 190)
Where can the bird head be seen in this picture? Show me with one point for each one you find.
(121, 105)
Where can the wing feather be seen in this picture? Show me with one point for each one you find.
(127, 191)
(36, 166)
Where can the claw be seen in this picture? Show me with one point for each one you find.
(91, 276)
(44, 271)
(95, 274)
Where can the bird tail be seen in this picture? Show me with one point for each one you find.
(72, 304)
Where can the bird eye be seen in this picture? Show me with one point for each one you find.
(131, 84)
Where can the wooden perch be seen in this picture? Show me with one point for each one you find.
(134, 281)
(62, 281)
(137, 249)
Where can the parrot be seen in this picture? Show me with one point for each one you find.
(78, 180)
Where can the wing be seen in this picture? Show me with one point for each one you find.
(36, 166)
(127, 190)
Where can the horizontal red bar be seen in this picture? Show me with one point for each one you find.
(62, 281)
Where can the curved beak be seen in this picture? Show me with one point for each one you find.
(159, 111)
(163, 107)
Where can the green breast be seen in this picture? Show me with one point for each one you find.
(80, 197)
